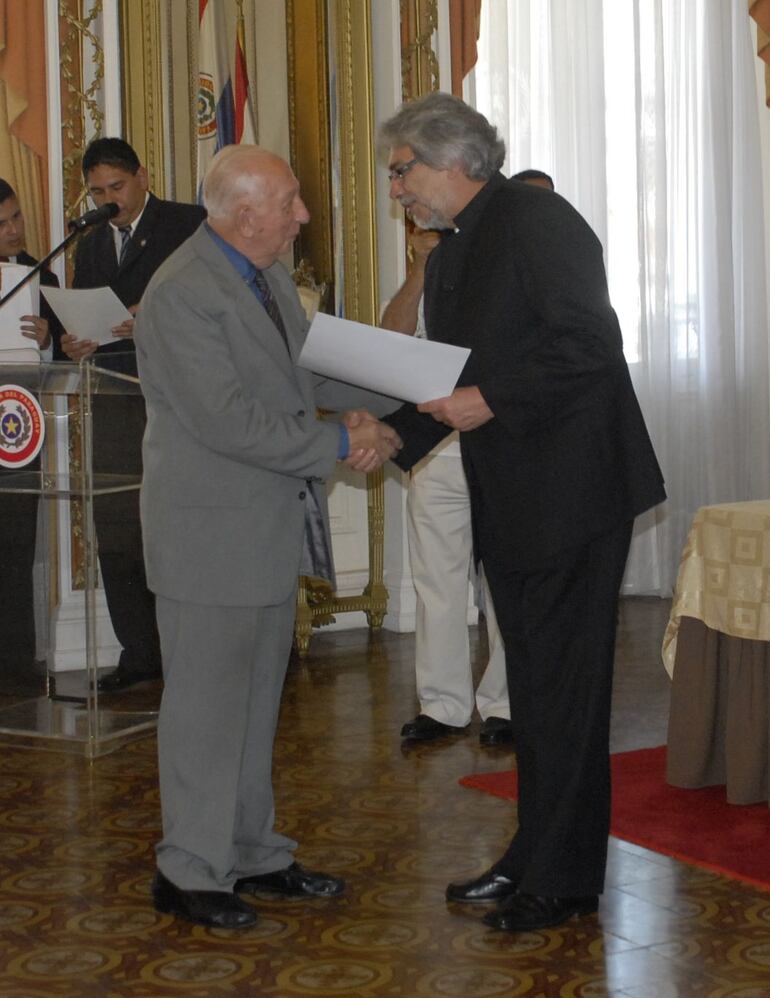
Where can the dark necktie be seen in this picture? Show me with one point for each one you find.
(125, 239)
(271, 306)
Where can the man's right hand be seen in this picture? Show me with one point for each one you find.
(423, 242)
(76, 349)
(371, 442)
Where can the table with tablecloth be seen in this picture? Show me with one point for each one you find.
(716, 648)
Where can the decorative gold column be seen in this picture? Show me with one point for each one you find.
(81, 104)
(143, 104)
(310, 135)
(353, 101)
(81, 113)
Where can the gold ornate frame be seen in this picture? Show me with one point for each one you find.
(143, 103)
(311, 97)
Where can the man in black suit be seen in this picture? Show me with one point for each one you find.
(558, 463)
(123, 254)
(18, 513)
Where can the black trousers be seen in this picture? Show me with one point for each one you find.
(18, 523)
(559, 626)
(118, 427)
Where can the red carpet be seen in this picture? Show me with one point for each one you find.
(697, 826)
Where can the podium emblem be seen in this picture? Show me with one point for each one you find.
(22, 427)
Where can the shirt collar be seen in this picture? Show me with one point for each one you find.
(473, 211)
(136, 221)
(242, 264)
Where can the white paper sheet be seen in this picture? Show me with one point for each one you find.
(404, 367)
(14, 346)
(88, 313)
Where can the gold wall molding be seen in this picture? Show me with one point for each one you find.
(82, 115)
(342, 100)
(317, 102)
(419, 63)
(353, 51)
(309, 133)
(143, 104)
(82, 111)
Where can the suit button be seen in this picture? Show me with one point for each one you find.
(301, 412)
(302, 495)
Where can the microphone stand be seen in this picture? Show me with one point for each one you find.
(39, 266)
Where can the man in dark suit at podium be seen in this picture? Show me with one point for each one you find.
(18, 513)
(123, 254)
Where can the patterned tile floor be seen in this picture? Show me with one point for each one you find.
(76, 862)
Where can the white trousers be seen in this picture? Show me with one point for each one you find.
(440, 548)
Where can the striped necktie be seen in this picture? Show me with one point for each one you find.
(271, 306)
(125, 239)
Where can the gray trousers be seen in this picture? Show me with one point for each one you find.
(223, 669)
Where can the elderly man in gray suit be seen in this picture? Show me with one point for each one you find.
(233, 458)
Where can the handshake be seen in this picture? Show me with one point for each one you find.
(372, 443)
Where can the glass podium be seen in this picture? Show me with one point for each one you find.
(52, 652)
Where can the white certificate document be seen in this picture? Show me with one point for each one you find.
(14, 346)
(88, 313)
(404, 367)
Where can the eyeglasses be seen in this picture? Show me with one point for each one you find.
(399, 172)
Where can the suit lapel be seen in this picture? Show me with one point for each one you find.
(142, 235)
(104, 258)
(251, 313)
(285, 306)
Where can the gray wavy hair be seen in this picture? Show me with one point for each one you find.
(444, 131)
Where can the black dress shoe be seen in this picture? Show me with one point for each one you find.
(489, 886)
(294, 881)
(425, 729)
(496, 731)
(218, 909)
(121, 678)
(527, 912)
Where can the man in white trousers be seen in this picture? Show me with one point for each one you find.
(440, 548)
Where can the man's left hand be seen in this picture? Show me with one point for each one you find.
(126, 329)
(34, 327)
(465, 409)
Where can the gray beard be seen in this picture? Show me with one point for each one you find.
(436, 222)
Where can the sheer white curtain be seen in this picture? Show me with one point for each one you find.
(645, 114)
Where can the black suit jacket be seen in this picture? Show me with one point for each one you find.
(163, 227)
(567, 456)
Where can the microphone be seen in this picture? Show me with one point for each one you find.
(93, 217)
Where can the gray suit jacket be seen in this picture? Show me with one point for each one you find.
(232, 434)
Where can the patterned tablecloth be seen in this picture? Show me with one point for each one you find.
(724, 574)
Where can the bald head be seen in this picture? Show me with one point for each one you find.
(253, 201)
